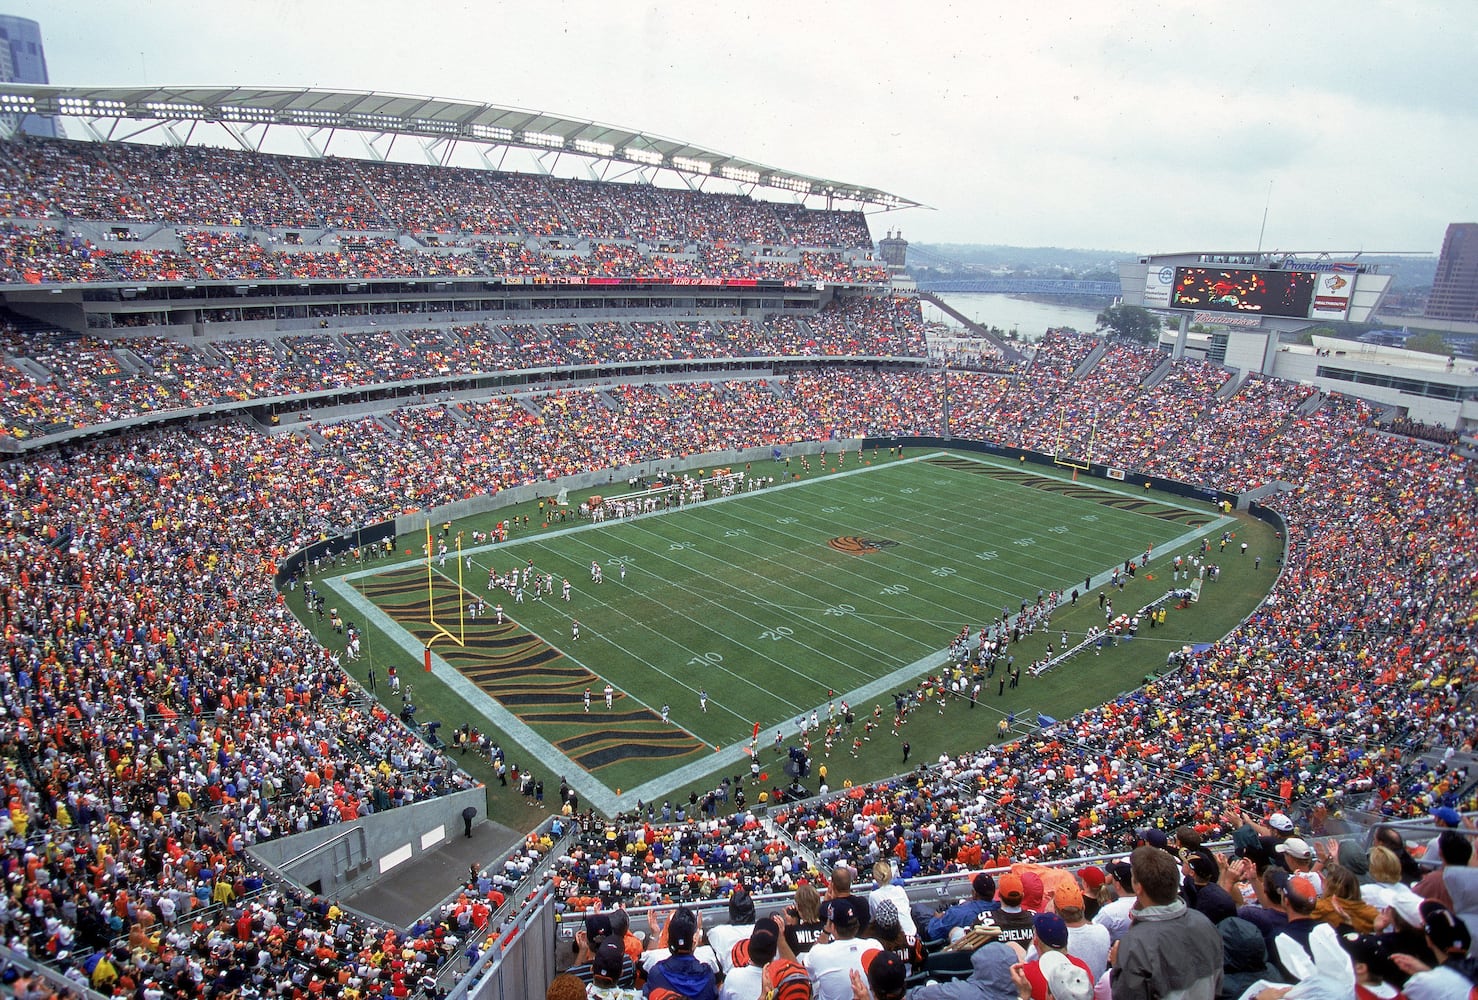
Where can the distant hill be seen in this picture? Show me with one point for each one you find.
(994, 256)
(1409, 273)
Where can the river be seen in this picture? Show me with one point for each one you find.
(1028, 317)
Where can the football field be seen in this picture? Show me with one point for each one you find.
(761, 608)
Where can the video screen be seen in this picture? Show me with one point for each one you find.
(1243, 290)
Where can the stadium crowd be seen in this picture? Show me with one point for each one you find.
(65, 382)
(199, 186)
(163, 711)
(121, 678)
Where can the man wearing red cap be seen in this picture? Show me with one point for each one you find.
(1300, 897)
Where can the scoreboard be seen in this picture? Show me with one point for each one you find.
(1290, 294)
(1252, 289)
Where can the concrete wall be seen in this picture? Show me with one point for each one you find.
(1251, 350)
(349, 856)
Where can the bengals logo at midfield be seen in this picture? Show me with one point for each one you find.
(857, 546)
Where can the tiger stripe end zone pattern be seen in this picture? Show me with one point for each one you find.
(853, 545)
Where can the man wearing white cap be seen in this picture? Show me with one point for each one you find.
(1259, 840)
(1298, 857)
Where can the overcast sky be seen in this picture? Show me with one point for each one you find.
(1113, 125)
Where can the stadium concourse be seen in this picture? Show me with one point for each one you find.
(163, 713)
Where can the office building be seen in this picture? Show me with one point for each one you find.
(1455, 287)
(23, 60)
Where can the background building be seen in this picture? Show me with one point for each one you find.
(23, 60)
(1455, 286)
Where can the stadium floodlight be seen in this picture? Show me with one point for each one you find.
(387, 123)
(792, 183)
(241, 113)
(316, 119)
(174, 109)
(544, 139)
(493, 133)
(691, 165)
(435, 125)
(81, 106)
(647, 156)
(15, 103)
(741, 174)
(595, 148)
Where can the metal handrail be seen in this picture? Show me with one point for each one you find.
(318, 848)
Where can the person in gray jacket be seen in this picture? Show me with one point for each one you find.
(1170, 951)
(990, 977)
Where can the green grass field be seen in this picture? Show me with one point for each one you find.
(838, 586)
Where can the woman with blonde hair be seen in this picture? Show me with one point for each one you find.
(882, 874)
(1385, 874)
(1341, 905)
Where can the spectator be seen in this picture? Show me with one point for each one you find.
(1086, 941)
(1017, 923)
(989, 979)
(786, 979)
(563, 987)
(841, 888)
(967, 912)
(1208, 895)
(1114, 915)
(1300, 898)
(1455, 851)
(748, 959)
(833, 959)
(887, 889)
(1449, 939)
(887, 975)
(1390, 838)
(1244, 957)
(803, 923)
(1170, 949)
(595, 932)
(1050, 939)
(1298, 857)
(887, 929)
(1370, 959)
(607, 969)
(723, 937)
(1341, 904)
(672, 965)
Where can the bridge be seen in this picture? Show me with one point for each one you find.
(1021, 286)
(1009, 351)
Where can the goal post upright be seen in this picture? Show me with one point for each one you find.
(460, 636)
(1060, 457)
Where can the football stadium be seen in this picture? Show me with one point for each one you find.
(419, 575)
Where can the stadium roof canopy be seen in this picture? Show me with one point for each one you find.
(248, 113)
